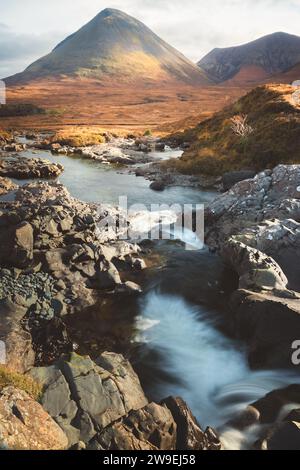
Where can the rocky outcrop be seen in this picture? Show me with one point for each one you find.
(6, 185)
(24, 424)
(275, 418)
(190, 436)
(84, 397)
(25, 168)
(255, 227)
(231, 178)
(59, 255)
(101, 406)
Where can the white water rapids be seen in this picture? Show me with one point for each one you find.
(210, 372)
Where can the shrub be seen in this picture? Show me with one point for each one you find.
(20, 381)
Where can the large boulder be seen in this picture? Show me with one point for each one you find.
(255, 228)
(84, 397)
(268, 323)
(25, 425)
(16, 245)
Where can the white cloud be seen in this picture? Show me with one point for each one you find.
(192, 26)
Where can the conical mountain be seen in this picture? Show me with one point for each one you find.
(115, 45)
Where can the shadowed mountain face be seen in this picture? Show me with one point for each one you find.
(257, 60)
(114, 44)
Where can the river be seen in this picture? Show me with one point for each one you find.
(178, 347)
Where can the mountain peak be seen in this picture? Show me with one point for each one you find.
(114, 44)
(264, 57)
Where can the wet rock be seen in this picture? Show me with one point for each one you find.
(267, 323)
(190, 436)
(24, 424)
(157, 186)
(255, 227)
(233, 177)
(84, 397)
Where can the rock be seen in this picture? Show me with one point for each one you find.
(231, 178)
(84, 397)
(255, 227)
(150, 428)
(283, 436)
(271, 405)
(6, 185)
(256, 270)
(25, 168)
(108, 276)
(157, 186)
(267, 323)
(16, 245)
(24, 425)
(190, 436)
(129, 288)
(139, 264)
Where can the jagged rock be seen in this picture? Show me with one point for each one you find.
(84, 397)
(272, 194)
(149, 428)
(268, 324)
(190, 436)
(25, 168)
(272, 404)
(255, 227)
(24, 424)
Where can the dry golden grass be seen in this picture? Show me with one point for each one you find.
(20, 381)
(79, 136)
(110, 105)
(216, 148)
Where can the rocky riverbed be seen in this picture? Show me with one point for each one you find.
(58, 257)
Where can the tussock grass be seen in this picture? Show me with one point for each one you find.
(20, 381)
(215, 148)
(79, 136)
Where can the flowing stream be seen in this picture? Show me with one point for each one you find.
(181, 349)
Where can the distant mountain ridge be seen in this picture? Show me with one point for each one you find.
(256, 60)
(115, 45)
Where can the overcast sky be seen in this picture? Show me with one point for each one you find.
(31, 28)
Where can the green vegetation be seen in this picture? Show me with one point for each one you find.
(23, 109)
(147, 133)
(216, 148)
(20, 381)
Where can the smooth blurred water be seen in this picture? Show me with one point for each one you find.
(178, 319)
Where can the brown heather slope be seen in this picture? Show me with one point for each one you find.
(110, 105)
(216, 149)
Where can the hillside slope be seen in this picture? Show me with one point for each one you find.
(115, 45)
(275, 138)
(254, 61)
